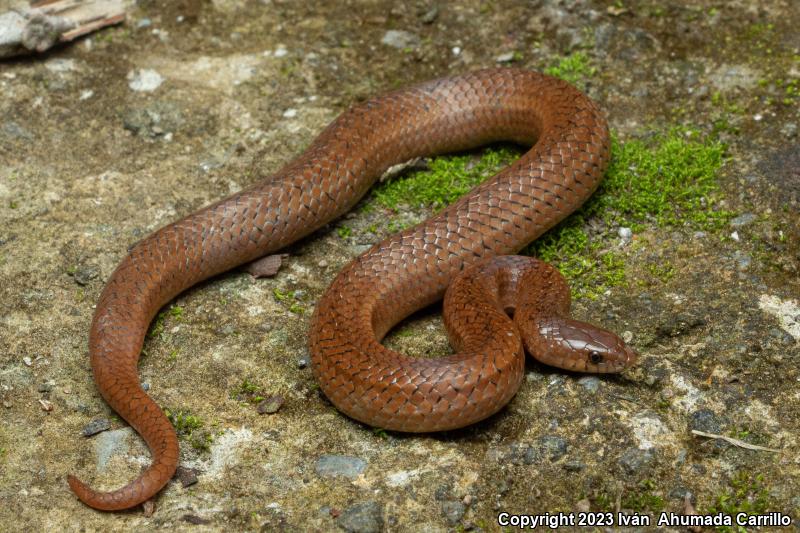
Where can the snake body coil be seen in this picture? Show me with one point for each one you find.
(395, 277)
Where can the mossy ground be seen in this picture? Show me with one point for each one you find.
(665, 180)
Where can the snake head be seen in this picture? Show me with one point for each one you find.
(577, 346)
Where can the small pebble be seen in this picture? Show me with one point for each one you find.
(195, 520)
(322, 264)
(46, 405)
(148, 508)
(340, 466)
(270, 405)
(400, 39)
(574, 466)
(505, 58)
(303, 362)
(144, 80)
(27, 361)
(364, 517)
(96, 426)
(187, 476)
(590, 383)
(583, 506)
(453, 511)
(625, 233)
(290, 113)
(743, 220)
(634, 460)
(706, 420)
(430, 15)
(46, 387)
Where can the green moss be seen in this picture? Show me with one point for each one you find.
(574, 68)
(157, 328)
(190, 428)
(184, 422)
(447, 179)
(668, 180)
(665, 180)
(746, 494)
(248, 392)
(344, 231)
(644, 499)
(289, 298)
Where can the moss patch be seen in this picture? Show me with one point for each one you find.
(575, 69)
(447, 179)
(664, 180)
(747, 494)
(190, 428)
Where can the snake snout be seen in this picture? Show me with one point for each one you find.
(578, 346)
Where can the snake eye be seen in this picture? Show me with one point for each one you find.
(595, 357)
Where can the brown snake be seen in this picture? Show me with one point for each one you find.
(404, 273)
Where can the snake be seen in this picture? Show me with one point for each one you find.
(496, 306)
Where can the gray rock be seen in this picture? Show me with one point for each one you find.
(633, 460)
(270, 406)
(84, 274)
(706, 420)
(520, 453)
(574, 466)
(507, 57)
(453, 511)
(154, 120)
(144, 80)
(743, 260)
(569, 38)
(340, 466)
(604, 33)
(187, 476)
(553, 447)
(590, 383)
(400, 39)
(625, 233)
(783, 337)
(109, 444)
(789, 130)
(98, 425)
(364, 517)
(729, 77)
(743, 220)
(14, 131)
(430, 16)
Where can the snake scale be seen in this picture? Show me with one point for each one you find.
(496, 308)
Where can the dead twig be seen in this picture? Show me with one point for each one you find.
(735, 442)
(24, 30)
